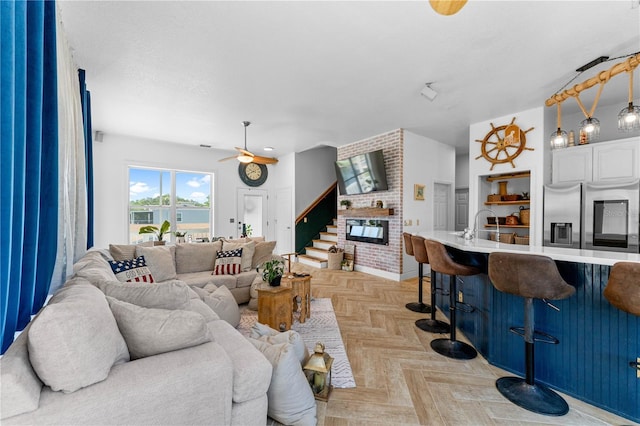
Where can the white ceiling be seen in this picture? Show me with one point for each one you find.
(330, 73)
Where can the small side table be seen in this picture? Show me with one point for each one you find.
(300, 287)
(274, 307)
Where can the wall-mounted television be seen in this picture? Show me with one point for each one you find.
(362, 173)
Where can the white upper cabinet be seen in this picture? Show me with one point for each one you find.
(604, 161)
(616, 161)
(572, 164)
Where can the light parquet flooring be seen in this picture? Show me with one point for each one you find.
(400, 379)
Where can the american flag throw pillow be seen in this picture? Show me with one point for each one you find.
(228, 262)
(132, 270)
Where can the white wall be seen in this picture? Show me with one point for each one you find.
(425, 162)
(116, 153)
(462, 171)
(608, 116)
(314, 171)
(527, 160)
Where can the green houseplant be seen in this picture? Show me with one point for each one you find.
(272, 271)
(345, 204)
(158, 232)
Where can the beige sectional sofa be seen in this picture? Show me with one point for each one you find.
(105, 352)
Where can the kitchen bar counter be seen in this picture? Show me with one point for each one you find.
(597, 341)
(452, 239)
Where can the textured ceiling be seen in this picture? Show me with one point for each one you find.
(330, 73)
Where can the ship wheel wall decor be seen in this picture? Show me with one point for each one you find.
(503, 144)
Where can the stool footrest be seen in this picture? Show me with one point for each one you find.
(464, 307)
(442, 291)
(538, 336)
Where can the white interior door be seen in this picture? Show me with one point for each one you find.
(252, 211)
(462, 208)
(441, 202)
(284, 221)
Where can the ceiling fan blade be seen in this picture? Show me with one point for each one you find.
(264, 160)
(245, 152)
(228, 158)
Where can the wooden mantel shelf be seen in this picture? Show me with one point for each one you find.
(365, 212)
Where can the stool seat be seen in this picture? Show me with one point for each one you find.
(623, 291)
(528, 275)
(441, 262)
(623, 287)
(414, 246)
(531, 277)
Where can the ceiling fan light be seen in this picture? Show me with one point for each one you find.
(590, 127)
(559, 139)
(245, 158)
(629, 118)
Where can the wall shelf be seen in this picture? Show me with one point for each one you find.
(506, 203)
(508, 176)
(365, 212)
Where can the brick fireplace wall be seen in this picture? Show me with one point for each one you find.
(368, 255)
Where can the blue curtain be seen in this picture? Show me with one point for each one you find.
(29, 173)
(85, 99)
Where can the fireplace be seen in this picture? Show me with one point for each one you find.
(368, 231)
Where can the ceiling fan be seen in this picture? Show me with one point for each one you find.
(246, 156)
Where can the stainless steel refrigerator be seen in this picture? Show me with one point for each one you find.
(562, 217)
(593, 215)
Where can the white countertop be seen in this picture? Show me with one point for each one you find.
(453, 239)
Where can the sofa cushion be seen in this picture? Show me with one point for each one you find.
(291, 401)
(248, 249)
(196, 257)
(19, 385)
(93, 267)
(167, 295)
(154, 331)
(197, 305)
(267, 334)
(74, 340)
(228, 262)
(161, 260)
(132, 270)
(221, 301)
(263, 252)
(126, 251)
(251, 370)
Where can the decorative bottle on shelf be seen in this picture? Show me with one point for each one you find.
(572, 138)
(583, 137)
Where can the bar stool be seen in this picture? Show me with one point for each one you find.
(442, 263)
(531, 277)
(623, 291)
(432, 325)
(422, 258)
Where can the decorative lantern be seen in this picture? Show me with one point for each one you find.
(318, 372)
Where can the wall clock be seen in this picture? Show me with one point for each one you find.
(503, 143)
(253, 174)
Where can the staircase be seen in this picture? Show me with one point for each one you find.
(317, 255)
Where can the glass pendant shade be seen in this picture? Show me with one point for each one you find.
(590, 127)
(629, 118)
(559, 139)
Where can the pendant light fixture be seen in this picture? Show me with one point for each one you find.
(559, 138)
(590, 126)
(629, 117)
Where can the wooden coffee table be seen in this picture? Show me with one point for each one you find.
(300, 287)
(274, 307)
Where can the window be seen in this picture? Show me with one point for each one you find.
(181, 197)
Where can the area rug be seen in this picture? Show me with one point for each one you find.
(321, 327)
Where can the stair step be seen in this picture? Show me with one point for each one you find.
(312, 261)
(335, 222)
(329, 236)
(317, 252)
(333, 229)
(323, 244)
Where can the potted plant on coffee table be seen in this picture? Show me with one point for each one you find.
(158, 232)
(180, 236)
(272, 272)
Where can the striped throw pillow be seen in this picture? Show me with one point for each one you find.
(228, 262)
(131, 270)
